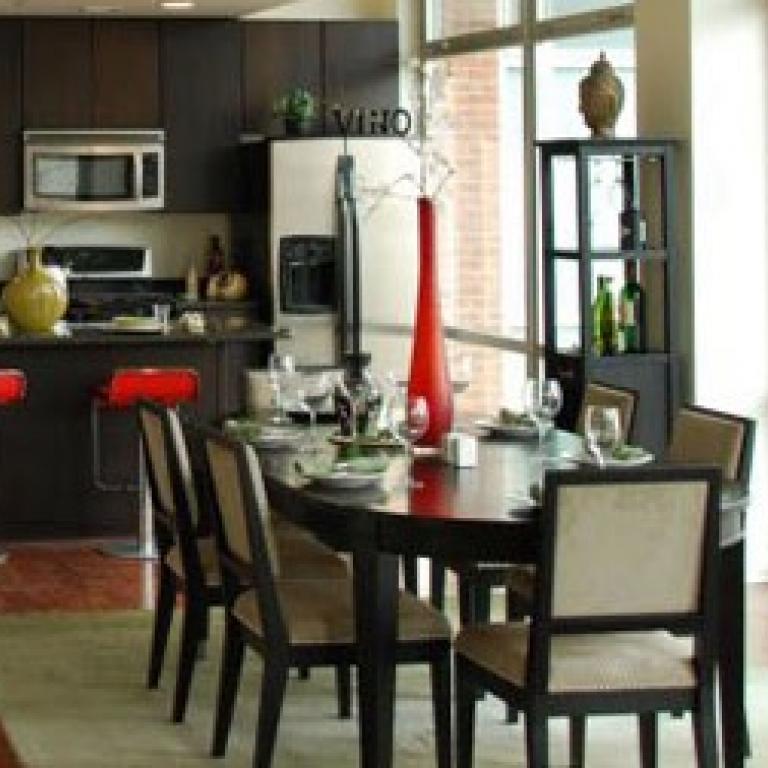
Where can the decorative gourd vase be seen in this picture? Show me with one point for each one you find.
(36, 299)
(601, 97)
(429, 375)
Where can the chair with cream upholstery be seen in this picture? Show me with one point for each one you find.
(625, 400)
(477, 579)
(627, 578)
(704, 436)
(293, 623)
(188, 560)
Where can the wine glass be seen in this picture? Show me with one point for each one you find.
(314, 390)
(542, 401)
(281, 367)
(603, 431)
(461, 373)
(410, 420)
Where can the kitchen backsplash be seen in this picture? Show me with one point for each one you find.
(175, 239)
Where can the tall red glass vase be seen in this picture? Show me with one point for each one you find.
(429, 375)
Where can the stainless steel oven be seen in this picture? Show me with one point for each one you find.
(95, 171)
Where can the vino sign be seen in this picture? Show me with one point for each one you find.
(372, 122)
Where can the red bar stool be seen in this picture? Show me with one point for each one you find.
(13, 389)
(168, 386)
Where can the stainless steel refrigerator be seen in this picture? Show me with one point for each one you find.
(323, 215)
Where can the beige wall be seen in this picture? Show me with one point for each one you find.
(701, 77)
(175, 239)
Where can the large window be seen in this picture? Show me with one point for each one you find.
(509, 75)
(448, 18)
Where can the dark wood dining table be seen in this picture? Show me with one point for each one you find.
(474, 514)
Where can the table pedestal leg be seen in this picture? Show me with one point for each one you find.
(375, 584)
(732, 632)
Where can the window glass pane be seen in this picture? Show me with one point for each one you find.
(560, 66)
(480, 234)
(447, 18)
(548, 9)
(493, 377)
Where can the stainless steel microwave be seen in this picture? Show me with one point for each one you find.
(94, 170)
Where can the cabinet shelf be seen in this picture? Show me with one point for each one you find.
(645, 254)
(580, 182)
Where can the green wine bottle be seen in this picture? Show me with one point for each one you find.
(631, 313)
(603, 319)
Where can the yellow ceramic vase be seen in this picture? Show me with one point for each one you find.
(36, 299)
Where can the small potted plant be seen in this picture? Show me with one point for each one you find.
(297, 108)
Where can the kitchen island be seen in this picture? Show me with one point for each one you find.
(46, 479)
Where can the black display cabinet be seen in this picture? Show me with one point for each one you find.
(606, 204)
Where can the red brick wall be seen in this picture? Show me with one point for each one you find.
(470, 227)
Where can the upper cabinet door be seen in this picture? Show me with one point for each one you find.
(10, 116)
(126, 71)
(361, 65)
(278, 55)
(202, 112)
(58, 87)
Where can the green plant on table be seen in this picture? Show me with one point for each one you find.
(297, 104)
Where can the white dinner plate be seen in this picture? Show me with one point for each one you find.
(636, 460)
(508, 431)
(345, 480)
(262, 435)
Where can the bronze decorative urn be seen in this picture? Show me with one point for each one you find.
(601, 97)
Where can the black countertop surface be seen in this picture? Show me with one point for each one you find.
(96, 337)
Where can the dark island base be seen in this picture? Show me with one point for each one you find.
(46, 486)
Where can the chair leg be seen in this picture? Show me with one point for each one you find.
(705, 728)
(513, 613)
(440, 671)
(411, 574)
(270, 705)
(466, 698)
(166, 596)
(437, 584)
(303, 673)
(536, 739)
(578, 740)
(466, 602)
(344, 691)
(193, 631)
(229, 679)
(648, 723)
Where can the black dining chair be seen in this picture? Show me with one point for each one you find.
(627, 576)
(476, 580)
(295, 623)
(187, 556)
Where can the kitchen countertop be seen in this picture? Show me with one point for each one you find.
(98, 337)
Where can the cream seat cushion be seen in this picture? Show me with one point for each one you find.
(581, 663)
(321, 612)
(301, 557)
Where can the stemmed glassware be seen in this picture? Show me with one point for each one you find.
(410, 420)
(543, 400)
(603, 431)
(281, 368)
(314, 389)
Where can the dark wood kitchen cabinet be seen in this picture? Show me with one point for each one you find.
(58, 73)
(10, 116)
(278, 55)
(126, 56)
(352, 64)
(81, 74)
(360, 65)
(201, 90)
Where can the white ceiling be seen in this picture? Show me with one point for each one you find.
(135, 7)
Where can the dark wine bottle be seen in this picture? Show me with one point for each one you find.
(603, 319)
(631, 313)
